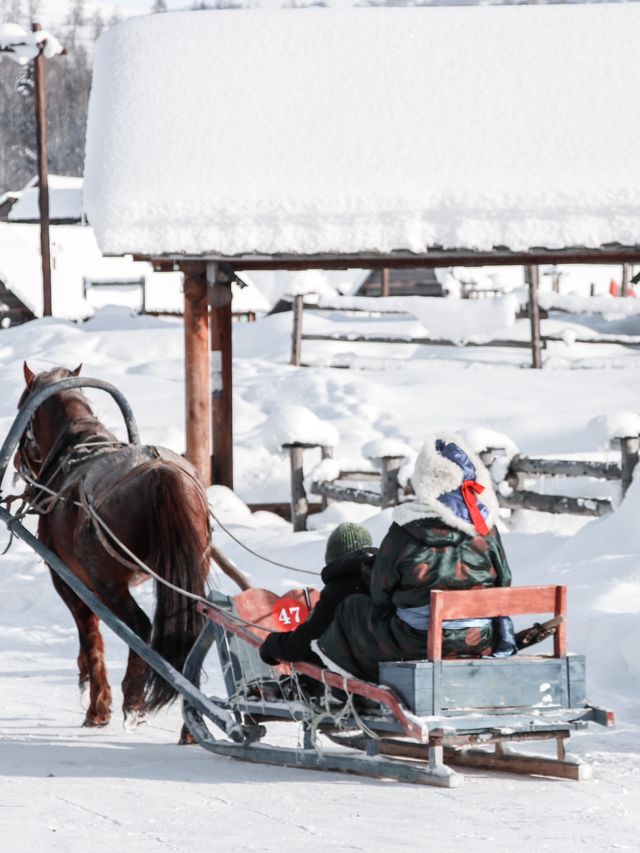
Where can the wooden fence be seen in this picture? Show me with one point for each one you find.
(536, 344)
(387, 492)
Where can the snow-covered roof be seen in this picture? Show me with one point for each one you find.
(366, 130)
(65, 201)
(75, 257)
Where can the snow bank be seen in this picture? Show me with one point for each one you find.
(286, 151)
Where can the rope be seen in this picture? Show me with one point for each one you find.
(260, 556)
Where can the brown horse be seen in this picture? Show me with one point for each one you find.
(102, 498)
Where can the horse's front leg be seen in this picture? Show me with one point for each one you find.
(91, 663)
(125, 607)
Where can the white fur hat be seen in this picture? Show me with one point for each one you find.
(436, 474)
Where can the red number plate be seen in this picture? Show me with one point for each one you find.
(289, 614)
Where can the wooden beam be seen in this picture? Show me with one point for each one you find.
(431, 259)
(221, 377)
(196, 367)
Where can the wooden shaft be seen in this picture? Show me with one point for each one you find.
(534, 317)
(296, 335)
(43, 176)
(196, 367)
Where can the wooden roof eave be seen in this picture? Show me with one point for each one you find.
(437, 257)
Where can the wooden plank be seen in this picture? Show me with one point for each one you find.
(557, 504)
(346, 493)
(512, 762)
(493, 601)
(565, 468)
(432, 259)
(409, 339)
(478, 603)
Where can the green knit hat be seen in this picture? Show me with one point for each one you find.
(347, 537)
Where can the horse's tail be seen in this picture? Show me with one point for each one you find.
(180, 535)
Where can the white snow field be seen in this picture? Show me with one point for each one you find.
(68, 789)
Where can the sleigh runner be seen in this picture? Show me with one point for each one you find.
(422, 717)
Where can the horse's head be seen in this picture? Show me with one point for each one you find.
(48, 420)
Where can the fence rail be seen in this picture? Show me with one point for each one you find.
(520, 470)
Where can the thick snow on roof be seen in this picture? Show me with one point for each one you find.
(65, 200)
(366, 129)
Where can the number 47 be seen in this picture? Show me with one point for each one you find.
(289, 615)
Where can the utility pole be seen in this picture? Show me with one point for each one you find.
(43, 173)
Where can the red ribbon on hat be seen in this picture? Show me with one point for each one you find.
(469, 489)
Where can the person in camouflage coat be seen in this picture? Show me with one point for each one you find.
(445, 539)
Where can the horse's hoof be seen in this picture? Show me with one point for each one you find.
(186, 738)
(90, 723)
(133, 719)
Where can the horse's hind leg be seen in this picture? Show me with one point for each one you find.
(91, 665)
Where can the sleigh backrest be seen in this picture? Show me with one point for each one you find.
(497, 601)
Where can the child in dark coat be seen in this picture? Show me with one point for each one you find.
(349, 557)
(445, 539)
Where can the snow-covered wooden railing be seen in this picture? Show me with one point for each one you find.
(537, 343)
(511, 479)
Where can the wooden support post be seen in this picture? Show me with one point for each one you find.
(384, 281)
(296, 335)
(532, 275)
(299, 504)
(390, 465)
(221, 376)
(196, 367)
(626, 277)
(629, 450)
(326, 453)
(43, 175)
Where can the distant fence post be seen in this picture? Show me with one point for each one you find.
(532, 276)
(325, 453)
(296, 337)
(626, 276)
(629, 450)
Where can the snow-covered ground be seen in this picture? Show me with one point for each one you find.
(64, 788)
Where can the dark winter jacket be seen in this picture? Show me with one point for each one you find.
(426, 554)
(445, 539)
(342, 577)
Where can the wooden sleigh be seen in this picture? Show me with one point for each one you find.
(422, 717)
